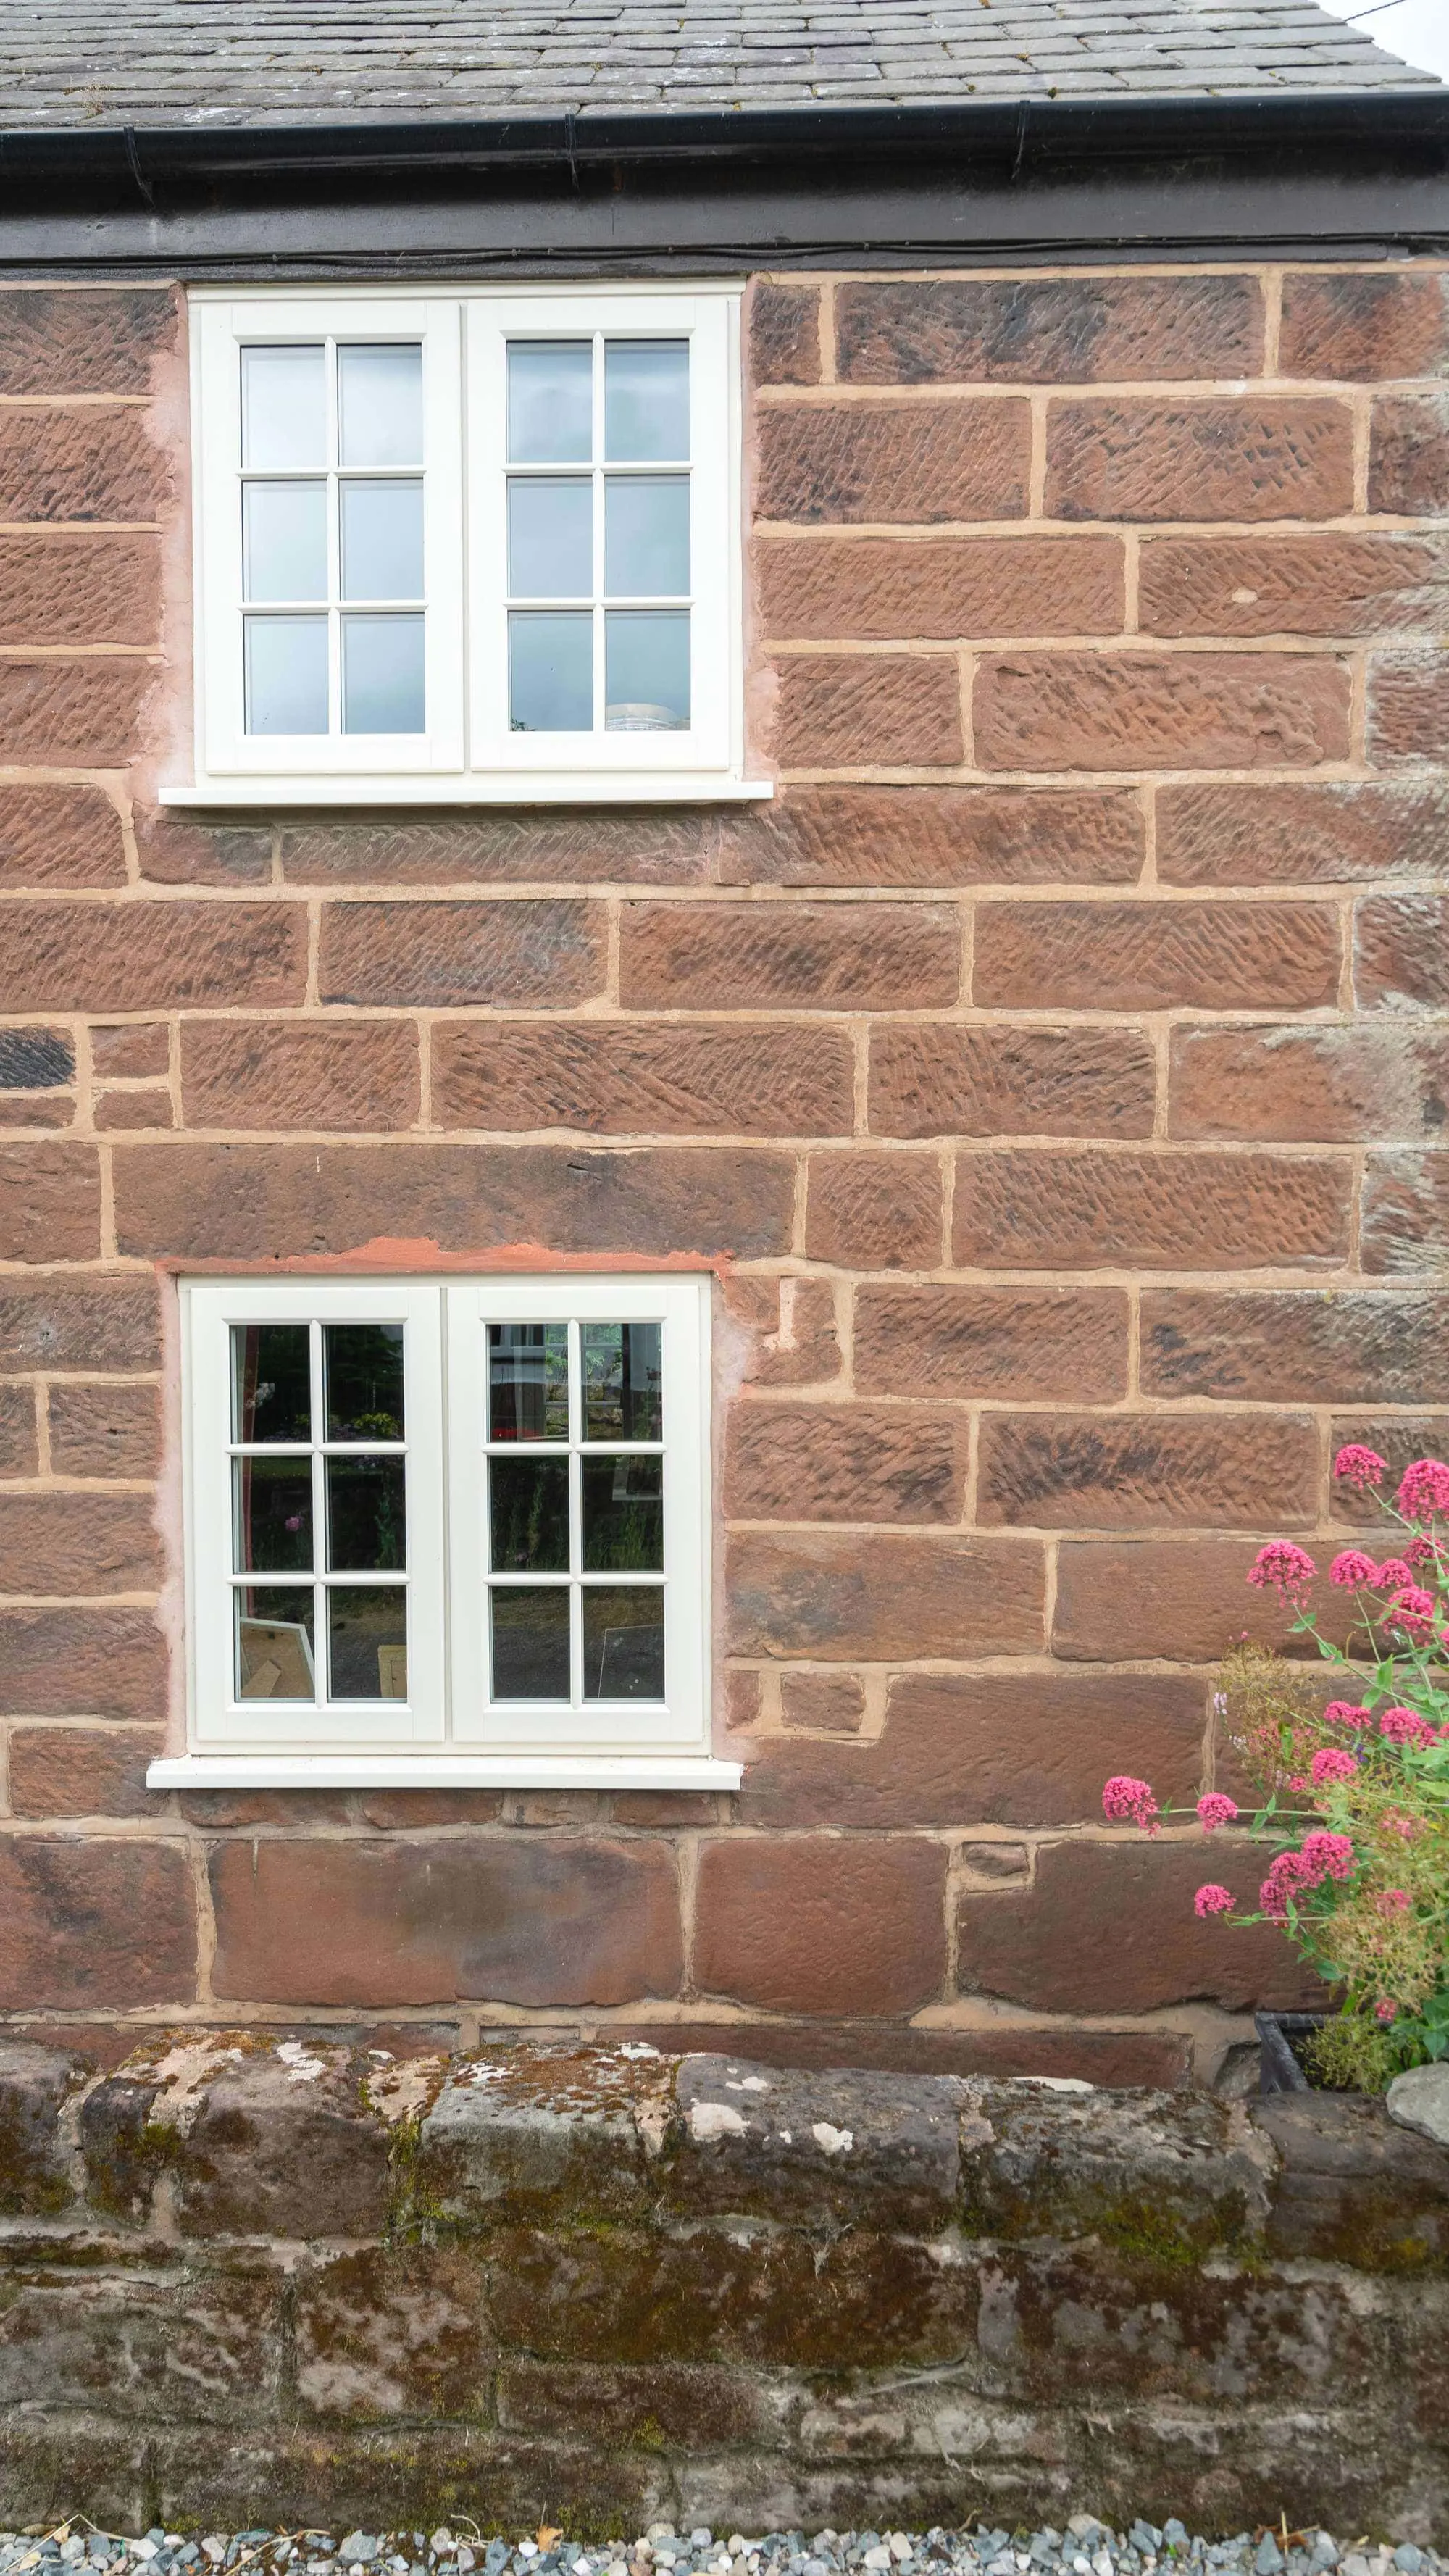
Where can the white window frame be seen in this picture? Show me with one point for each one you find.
(446, 1733)
(469, 755)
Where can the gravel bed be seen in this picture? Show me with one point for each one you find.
(1085, 2548)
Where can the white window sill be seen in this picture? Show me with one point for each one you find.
(441, 1771)
(521, 787)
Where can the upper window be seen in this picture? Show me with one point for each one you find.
(467, 1515)
(469, 547)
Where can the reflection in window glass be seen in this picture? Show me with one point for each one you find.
(528, 1515)
(530, 1641)
(382, 540)
(284, 540)
(623, 1382)
(550, 402)
(275, 1642)
(551, 672)
(362, 1368)
(284, 408)
(382, 675)
(366, 1516)
(272, 1515)
(550, 537)
(646, 536)
(623, 1515)
(367, 1642)
(380, 405)
(623, 1641)
(646, 402)
(528, 1381)
(646, 667)
(286, 674)
(271, 1382)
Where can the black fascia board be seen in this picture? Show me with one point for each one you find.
(1327, 170)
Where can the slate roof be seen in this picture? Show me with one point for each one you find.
(154, 63)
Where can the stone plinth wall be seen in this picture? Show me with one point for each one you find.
(247, 2282)
(1055, 1073)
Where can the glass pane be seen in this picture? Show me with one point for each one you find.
(367, 1642)
(646, 401)
(380, 406)
(362, 1366)
(286, 674)
(528, 1381)
(382, 675)
(550, 402)
(284, 408)
(551, 673)
(646, 536)
(624, 1641)
(284, 540)
(382, 540)
(530, 1642)
(623, 1515)
(528, 1515)
(646, 671)
(271, 1517)
(550, 538)
(275, 1641)
(623, 1382)
(271, 1382)
(366, 1516)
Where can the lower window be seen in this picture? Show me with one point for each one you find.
(465, 1519)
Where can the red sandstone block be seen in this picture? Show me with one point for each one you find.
(64, 589)
(37, 1109)
(1177, 711)
(1293, 1346)
(61, 1321)
(1109, 1927)
(1167, 1210)
(140, 956)
(1408, 708)
(821, 1597)
(570, 845)
(792, 1321)
(1302, 833)
(1048, 330)
(1147, 1470)
(1400, 954)
(1156, 956)
(506, 1918)
(82, 1663)
(643, 1078)
(1409, 454)
(243, 1202)
(876, 710)
(1404, 1224)
(110, 1430)
(73, 340)
(1182, 1600)
(936, 836)
(1316, 1086)
(130, 1050)
(77, 1544)
(1264, 458)
(845, 1462)
(874, 1211)
(1322, 582)
(90, 1923)
(19, 1455)
(881, 588)
(127, 1110)
(894, 461)
(82, 1770)
(1067, 1345)
(948, 1080)
(1025, 1749)
(95, 463)
(442, 954)
(816, 1926)
(1361, 328)
(1398, 1438)
(356, 1074)
(821, 957)
(73, 714)
(784, 327)
(830, 1703)
(173, 850)
(50, 1202)
(1004, 2050)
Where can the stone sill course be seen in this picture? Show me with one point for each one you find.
(252, 2279)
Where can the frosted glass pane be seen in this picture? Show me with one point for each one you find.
(646, 401)
(284, 540)
(382, 675)
(646, 536)
(551, 673)
(380, 405)
(284, 407)
(646, 662)
(550, 402)
(550, 539)
(382, 540)
(286, 674)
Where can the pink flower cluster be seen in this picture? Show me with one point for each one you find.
(1412, 1609)
(1406, 1726)
(1213, 1899)
(1346, 1712)
(1323, 1856)
(1283, 1568)
(1353, 1570)
(1129, 1801)
(1360, 1466)
(1424, 1489)
(1215, 1810)
(1333, 1763)
(1394, 1900)
(1394, 1573)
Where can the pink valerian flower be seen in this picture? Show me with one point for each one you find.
(1327, 1856)
(1385, 2009)
(1213, 1899)
(1406, 1726)
(1393, 1574)
(1287, 1874)
(1215, 1810)
(1394, 1900)
(1424, 1489)
(1129, 1801)
(1411, 1609)
(1359, 1466)
(1406, 1827)
(1333, 1763)
(1422, 1551)
(1352, 1569)
(1346, 1712)
(1283, 1568)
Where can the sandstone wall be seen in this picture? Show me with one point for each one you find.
(1056, 1072)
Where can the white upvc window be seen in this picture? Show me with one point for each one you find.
(447, 1531)
(476, 546)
